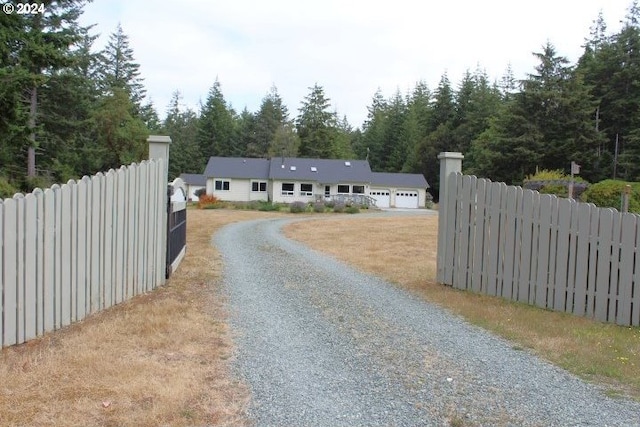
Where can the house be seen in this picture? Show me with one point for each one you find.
(291, 179)
(194, 182)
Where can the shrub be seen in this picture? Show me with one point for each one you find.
(318, 207)
(298, 207)
(200, 192)
(209, 201)
(6, 189)
(330, 204)
(555, 182)
(352, 210)
(608, 194)
(267, 206)
(339, 207)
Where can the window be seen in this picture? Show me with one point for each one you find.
(259, 186)
(306, 189)
(222, 185)
(358, 189)
(287, 189)
(343, 189)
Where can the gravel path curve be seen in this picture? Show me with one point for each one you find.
(322, 345)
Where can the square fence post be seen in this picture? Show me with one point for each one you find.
(450, 162)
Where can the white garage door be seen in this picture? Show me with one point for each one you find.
(382, 198)
(407, 199)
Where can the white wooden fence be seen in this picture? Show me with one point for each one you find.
(75, 249)
(539, 249)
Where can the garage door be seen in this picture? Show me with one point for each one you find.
(407, 199)
(381, 197)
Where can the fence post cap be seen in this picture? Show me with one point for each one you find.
(159, 138)
(450, 155)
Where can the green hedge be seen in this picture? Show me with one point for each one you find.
(607, 194)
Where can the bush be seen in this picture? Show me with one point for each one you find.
(318, 207)
(209, 201)
(298, 207)
(330, 204)
(200, 192)
(555, 182)
(267, 206)
(6, 189)
(339, 207)
(352, 210)
(608, 194)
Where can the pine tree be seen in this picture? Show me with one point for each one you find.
(217, 133)
(271, 116)
(119, 69)
(316, 126)
(182, 126)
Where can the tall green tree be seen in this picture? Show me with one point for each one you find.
(120, 70)
(271, 117)
(181, 124)
(371, 145)
(316, 126)
(121, 133)
(217, 131)
(35, 45)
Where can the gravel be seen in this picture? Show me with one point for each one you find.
(320, 344)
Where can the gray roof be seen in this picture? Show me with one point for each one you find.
(237, 167)
(403, 180)
(324, 171)
(194, 179)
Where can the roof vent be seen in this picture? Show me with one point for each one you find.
(314, 169)
(293, 168)
(282, 166)
(347, 164)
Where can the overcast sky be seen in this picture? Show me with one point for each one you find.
(350, 47)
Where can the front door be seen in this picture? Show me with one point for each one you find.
(327, 191)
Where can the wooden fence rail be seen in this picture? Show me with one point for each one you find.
(539, 249)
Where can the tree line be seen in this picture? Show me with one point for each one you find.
(67, 110)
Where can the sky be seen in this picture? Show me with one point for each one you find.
(351, 48)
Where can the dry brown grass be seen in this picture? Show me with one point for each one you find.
(159, 359)
(403, 250)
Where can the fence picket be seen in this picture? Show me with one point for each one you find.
(455, 181)
(616, 243)
(494, 239)
(20, 285)
(81, 249)
(543, 255)
(526, 213)
(30, 267)
(508, 254)
(604, 264)
(73, 245)
(582, 259)
(119, 233)
(479, 243)
(558, 295)
(625, 288)
(97, 254)
(10, 272)
(463, 228)
(635, 299)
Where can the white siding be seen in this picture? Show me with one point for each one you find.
(239, 189)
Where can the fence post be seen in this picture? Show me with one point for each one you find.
(450, 162)
(159, 149)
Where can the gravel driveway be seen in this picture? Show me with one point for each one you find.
(320, 344)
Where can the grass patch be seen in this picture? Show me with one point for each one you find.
(158, 359)
(403, 250)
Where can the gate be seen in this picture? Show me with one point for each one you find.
(176, 224)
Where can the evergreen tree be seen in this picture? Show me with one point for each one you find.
(416, 123)
(395, 140)
(316, 126)
(119, 69)
(286, 142)
(371, 145)
(182, 126)
(217, 134)
(123, 135)
(271, 116)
